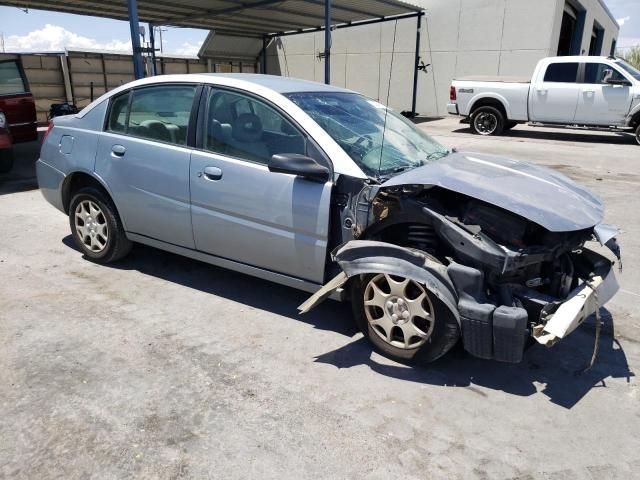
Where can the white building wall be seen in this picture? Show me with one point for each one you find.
(458, 38)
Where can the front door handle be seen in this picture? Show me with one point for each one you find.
(542, 91)
(118, 150)
(212, 173)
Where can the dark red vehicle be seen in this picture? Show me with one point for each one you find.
(18, 122)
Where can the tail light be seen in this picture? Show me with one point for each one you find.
(452, 94)
(46, 134)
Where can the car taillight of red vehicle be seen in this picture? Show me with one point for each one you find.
(452, 94)
(46, 134)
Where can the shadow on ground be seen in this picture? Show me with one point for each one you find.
(558, 368)
(566, 135)
(22, 176)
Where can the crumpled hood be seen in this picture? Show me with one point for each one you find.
(539, 194)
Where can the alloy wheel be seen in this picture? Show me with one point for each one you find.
(91, 226)
(399, 310)
(485, 123)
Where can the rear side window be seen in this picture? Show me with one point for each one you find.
(155, 113)
(561, 73)
(11, 80)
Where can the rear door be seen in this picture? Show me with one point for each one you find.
(17, 102)
(554, 96)
(240, 210)
(601, 103)
(143, 155)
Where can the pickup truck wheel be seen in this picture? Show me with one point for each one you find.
(6, 160)
(487, 121)
(96, 226)
(402, 318)
(638, 134)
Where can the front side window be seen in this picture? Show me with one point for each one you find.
(241, 126)
(561, 73)
(155, 113)
(594, 73)
(11, 81)
(381, 142)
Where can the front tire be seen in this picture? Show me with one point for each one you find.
(402, 319)
(487, 121)
(96, 226)
(638, 134)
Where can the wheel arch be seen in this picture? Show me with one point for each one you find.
(359, 257)
(81, 179)
(494, 101)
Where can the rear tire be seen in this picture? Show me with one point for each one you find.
(441, 335)
(6, 160)
(487, 121)
(96, 226)
(638, 134)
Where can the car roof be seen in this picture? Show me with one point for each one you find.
(281, 84)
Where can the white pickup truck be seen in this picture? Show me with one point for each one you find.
(576, 91)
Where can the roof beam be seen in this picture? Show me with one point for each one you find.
(224, 11)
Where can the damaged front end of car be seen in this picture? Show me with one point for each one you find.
(509, 267)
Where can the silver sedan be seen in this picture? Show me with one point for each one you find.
(322, 189)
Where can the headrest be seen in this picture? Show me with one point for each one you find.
(220, 131)
(247, 128)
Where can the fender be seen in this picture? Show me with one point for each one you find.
(634, 114)
(359, 257)
(494, 96)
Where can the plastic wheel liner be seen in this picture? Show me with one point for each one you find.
(359, 257)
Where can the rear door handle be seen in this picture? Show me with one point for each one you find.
(118, 150)
(542, 91)
(212, 173)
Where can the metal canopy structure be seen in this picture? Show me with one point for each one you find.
(263, 19)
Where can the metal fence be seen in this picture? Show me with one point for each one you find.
(79, 76)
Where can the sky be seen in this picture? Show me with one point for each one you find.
(41, 31)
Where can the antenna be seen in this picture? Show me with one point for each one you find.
(386, 110)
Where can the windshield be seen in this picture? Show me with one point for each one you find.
(630, 70)
(357, 124)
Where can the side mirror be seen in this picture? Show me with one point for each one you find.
(618, 81)
(300, 165)
(607, 75)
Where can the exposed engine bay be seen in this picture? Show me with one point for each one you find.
(510, 275)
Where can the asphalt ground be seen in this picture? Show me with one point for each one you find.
(164, 367)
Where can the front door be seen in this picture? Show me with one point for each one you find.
(602, 103)
(243, 212)
(144, 158)
(554, 99)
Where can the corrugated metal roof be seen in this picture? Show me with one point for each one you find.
(244, 17)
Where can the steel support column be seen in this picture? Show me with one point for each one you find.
(138, 67)
(265, 40)
(415, 68)
(327, 42)
(152, 42)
